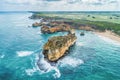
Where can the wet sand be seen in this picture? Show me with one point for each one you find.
(109, 35)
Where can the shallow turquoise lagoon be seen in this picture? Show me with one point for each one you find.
(92, 57)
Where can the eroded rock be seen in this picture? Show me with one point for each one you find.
(36, 24)
(55, 27)
(56, 47)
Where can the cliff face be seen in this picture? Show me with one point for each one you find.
(56, 22)
(87, 28)
(55, 28)
(56, 47)
(36, 24)
(45, 29)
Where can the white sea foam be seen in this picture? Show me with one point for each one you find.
(109, 40)
(57, 74)
(80, 44)
(46, 67)
(30, 72)
(70, 61)
(2, 56)
(35, 68)
(39, 32)
(24, 53)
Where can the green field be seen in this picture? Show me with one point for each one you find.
(108, 17)
(102, 21)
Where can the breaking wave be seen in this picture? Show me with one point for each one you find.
(24, 53)
(42, 66)
(109, 40)
(35, 68)
(71, 61)
(46, 67)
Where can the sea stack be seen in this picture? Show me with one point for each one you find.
(56, 47)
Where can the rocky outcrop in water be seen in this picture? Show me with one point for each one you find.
(56, 47)
(35, 16)
(36, 24)
(41, 23)
(45, 29)
(55, 27)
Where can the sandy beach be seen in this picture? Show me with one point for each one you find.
(109, 35)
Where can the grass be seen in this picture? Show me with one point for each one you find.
(86, 16)
(101, 21)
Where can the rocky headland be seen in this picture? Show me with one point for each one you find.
(36, 24)
(81, 24)
(53, 27)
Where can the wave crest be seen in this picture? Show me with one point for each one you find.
(24, 53)
(71, 61)
(46, 67)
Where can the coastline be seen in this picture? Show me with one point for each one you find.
(109, 34)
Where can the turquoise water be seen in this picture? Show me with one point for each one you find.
(91, 58)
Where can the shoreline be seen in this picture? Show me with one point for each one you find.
(109, 34)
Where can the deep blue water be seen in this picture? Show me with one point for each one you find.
(91, 58)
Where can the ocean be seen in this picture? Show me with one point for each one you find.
(93, 57)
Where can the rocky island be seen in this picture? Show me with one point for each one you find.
(56, 47)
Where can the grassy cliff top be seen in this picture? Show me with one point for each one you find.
(101, 22)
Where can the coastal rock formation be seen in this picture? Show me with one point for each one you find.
(56, 47)
(87, 28)
(35, 16)
(45, 29)
(36, 24)
(54, 27)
